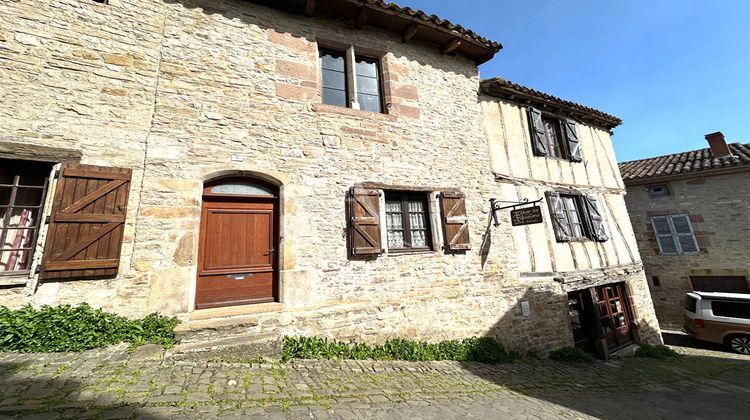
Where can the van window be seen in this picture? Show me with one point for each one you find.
(731, 309)
(690, 303)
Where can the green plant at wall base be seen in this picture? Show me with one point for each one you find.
(571, 354)
(476, 349)
(655, 352)
(68, 328)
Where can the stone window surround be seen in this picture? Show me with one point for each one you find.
(392, 105)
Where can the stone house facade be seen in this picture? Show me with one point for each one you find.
(691, 222)
(341, 148)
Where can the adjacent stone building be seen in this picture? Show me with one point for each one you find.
(690, 215)
(304, 167)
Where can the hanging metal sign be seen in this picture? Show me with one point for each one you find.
(526, 216)
(518, 216)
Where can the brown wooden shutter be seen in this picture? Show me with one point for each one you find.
(84, 238)
(596, 221)
(538, 138)
(574, 146)
(560, 224)
(455, 222)
(364, 226)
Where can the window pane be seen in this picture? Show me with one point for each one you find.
(332, 60)
(552, 133)
(14, 260)
(731, 309)
(28, 197)
(241, 189)
(681, 224)
(661, 225)
(5, 195)
(418, 222)
(334, 97)
(334, 79)
(369, 102)
(394, 223)
(17, 238)
(367, 85)
(687, 243)
(19, 217)
(667, 244)
(367, 67)
(32, 179)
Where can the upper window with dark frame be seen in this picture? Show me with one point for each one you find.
(351, 80)
(407, 221)
(576, 217)
(553, 136)
(658, 190)
(23, 188)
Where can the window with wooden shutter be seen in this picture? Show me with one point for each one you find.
(597, 229)
(674, 235)
(574, 146)
(364, 223)
(455, 222)
(538, 132)
(558, 212)
(85, 234)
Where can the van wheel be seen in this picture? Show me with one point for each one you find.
(738, 343)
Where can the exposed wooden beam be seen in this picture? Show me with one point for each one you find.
(309, 7)
(409, 33)
(361, 19)
(451, 46)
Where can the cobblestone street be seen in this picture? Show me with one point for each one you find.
(121, 383)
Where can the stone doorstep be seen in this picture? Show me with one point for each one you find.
(231, 311)
(267, 345)
(624, 352)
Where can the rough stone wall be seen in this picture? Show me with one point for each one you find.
(186, 91)
(80, 75)
(718, 214)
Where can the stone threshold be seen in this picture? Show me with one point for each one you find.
(229, 311)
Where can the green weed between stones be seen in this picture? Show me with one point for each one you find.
(475, 349)
(655, 352)
(571, 354)
(68, 328)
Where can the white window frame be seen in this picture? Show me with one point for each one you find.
(433, 208)
(675, 236)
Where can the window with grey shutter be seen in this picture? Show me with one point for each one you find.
(560, 224)
(674, 235)
(596, 222)
(538, 136)
(574, 147)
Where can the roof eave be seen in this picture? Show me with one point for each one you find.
(500, 88)
(412, 25)
(687, 175)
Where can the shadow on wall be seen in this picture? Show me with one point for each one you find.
(293, 24)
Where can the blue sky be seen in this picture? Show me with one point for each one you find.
(672, 70)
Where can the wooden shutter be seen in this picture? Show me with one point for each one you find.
(560, 224)
(364, 226)
(84, 238)
(574, 146)
(538, 138)
(596, 222)
(455, 222)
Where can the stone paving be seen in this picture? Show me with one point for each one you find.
(121, 383)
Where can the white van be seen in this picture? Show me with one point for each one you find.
(719, 318)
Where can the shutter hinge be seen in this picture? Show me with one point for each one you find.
(57, 174)
(38, 269)
(47, 220)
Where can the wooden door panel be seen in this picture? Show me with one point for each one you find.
(236, 262)
(238, 239)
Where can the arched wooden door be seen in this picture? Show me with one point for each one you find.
(237, 260)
